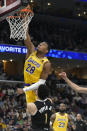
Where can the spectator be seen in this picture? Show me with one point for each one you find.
(80, 124)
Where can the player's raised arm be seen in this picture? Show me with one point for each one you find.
(29, 45)
(73, 85)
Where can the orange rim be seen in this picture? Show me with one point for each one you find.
(11, 17)
(26, 10)
(21, 16)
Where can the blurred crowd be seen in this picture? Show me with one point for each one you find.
(13, 114)
(59, 36)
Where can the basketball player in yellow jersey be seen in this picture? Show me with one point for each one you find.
(36, 69)
(60, 119)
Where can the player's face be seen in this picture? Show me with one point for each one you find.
(62, 107)
(79, 117)
(43, 47)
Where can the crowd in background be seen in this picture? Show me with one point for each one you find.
(61, 37)
(13, 114)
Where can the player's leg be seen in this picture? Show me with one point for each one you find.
(30, 96)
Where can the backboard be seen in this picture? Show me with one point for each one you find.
(9, 7)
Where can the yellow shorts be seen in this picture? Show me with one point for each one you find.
(30, 96)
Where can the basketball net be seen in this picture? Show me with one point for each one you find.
(19, 24)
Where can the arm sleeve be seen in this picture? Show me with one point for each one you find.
(35, 86)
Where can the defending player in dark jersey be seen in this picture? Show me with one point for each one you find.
(41, 110)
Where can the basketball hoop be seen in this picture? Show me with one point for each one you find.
(19, 24)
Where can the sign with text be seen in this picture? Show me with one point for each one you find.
(53, 53)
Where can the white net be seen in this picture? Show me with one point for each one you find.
(19, 25)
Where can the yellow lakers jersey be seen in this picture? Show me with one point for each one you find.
(61, 122)
(3, 125)
(33, 68)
